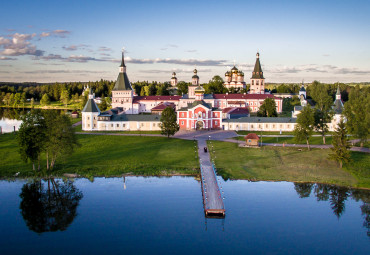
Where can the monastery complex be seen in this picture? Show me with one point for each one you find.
(195, 110)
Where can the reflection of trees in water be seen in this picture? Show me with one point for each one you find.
(15, 114)
(303, 189)
(337, 197)
(11, 113)
(49, 205)
(364, 196)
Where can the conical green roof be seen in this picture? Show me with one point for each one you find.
(257, 72)
(122, 82)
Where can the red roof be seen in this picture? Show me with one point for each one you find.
(242, 96)
(163, 106)
(240, 110)
(227, 109)
(156, 98)
(236, 110)
(251, 136)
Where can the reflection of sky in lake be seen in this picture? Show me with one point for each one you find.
(165, 216)
(7, 125)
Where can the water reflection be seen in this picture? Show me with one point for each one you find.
(337, 197)
(49, 205)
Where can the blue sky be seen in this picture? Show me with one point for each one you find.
(48, 41)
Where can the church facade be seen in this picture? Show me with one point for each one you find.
(195, 110)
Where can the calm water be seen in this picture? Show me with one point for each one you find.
(165, 216)
(10, 118)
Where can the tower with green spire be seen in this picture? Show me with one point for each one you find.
(122, 93)
(257, 85)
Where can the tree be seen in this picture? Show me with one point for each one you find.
(64, 96)
(268, 108)
(32, 102)
(31, 137)
(60, 139)
(357, 113)
(182, 87)
(17, 99)
(103, 105)
(215, 86)
(323, 108)
(45, 100)
(341, 145)
(305, 124)
(169, 124)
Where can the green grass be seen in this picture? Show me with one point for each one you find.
(110, 156)
(289, 164)
(272, 133)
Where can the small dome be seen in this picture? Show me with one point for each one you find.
(227, 73)
(195, 76)
(234, 69)
(240, 73)
(173, 73)
(195, 71)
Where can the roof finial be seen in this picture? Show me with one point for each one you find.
(234, 62)
(123, 58)
(258, 54)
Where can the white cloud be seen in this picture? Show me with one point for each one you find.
(19, 44)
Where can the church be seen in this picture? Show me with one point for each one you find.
(195, 110)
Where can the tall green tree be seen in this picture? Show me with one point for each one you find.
(17, 99)
(357, 113)
(341, 145)
(323, 108)
(268, 108)
(31, 137)
(64, 97)
(60, 138)
(45, 100)
(169, 124)
(305, 125)
(103, 105)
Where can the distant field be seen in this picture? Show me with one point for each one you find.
(289, 164)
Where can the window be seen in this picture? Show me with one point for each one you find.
(251, 126)
(252, 82)
(267, 126)
(182, 122)
(142, 124)
(153, 124)
(124, 125)
(182, 114)
(216, 122)
(249, 140)
(117, 125)
(94, 125)
(111, 125)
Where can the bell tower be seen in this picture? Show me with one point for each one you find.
(257, 85)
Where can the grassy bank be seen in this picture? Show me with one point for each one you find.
(110, 156)
(289, 164)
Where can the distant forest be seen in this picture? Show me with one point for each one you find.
(12, 94)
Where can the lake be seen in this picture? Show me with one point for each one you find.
(153, 215)
(10, 118)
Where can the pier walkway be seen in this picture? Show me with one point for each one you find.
(212, 198)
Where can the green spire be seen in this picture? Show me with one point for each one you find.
(338, 90)
(257, 72)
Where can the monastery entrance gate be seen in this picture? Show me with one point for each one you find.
(199, 125)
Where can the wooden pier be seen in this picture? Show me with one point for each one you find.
(212, 198)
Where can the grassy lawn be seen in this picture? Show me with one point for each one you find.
(110, 156)
(53, 105)
(289, 164)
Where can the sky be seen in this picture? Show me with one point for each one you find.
(61, 41)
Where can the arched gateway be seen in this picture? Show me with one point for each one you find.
(199, 125)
